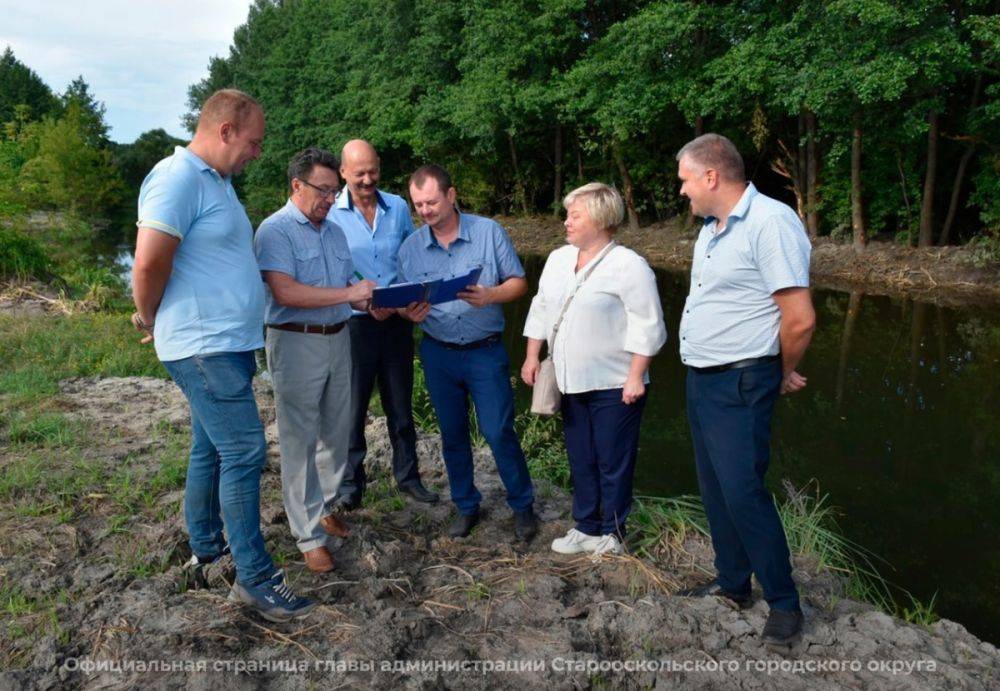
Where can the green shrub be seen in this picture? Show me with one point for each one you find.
(22, 257)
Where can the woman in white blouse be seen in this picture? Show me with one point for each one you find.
(610, 331)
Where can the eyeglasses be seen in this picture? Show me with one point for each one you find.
(324, 191)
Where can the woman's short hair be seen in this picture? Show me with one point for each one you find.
(604, 205)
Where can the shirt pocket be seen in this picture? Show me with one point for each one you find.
(308, 266)
(344, 271)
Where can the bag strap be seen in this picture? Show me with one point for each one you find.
(595, 262)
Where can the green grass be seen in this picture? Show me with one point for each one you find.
(22, 257)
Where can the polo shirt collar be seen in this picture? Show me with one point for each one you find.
(741, 208)
(344, 200)
(195, 160)
(463, 233)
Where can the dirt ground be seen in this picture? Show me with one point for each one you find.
(402, 594)
(942, 275)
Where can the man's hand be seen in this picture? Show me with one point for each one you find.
(416, 312)
(362, 291)
(477, 295)
(529, 370)
(140, 325)
(633, 390)
(381, 313)
(792, 382)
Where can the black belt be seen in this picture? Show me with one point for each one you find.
(322, 329)
(482, 343)
(739, 364)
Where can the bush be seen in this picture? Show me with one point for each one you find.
(21, 257)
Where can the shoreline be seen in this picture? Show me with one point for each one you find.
(944, 276)
(403, 594)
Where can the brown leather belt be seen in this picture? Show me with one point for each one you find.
(322, 329)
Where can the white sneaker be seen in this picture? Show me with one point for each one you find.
(607, 544)
(575, 542)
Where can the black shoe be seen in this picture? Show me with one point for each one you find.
(202, 574)
(783, 629)
(419, 492)
(345, 503)
(714, 589)
(463, 525)
(525, 525)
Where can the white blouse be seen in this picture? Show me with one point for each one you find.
(616, 313)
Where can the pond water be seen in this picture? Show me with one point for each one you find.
(899, 425)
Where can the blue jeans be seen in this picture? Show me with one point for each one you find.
(484, 374)
(730, 416)
(227, 454)
(602, 442)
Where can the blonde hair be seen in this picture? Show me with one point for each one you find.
(604, 205)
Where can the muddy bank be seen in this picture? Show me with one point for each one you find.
(942, 275)
(402, 593)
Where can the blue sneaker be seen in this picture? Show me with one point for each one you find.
(272, 599)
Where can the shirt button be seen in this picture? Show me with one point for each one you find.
(708, 257)
(699, 285)
(687, 311)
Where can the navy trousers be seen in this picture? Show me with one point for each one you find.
(730, 416)
(453, 376)
(602, 441)
(382, 352)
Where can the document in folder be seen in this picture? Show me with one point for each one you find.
(434, 292)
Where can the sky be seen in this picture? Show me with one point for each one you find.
(139, 57)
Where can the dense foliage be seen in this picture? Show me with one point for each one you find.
(870, 115)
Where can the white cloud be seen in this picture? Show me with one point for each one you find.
(139, 57)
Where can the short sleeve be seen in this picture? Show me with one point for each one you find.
(537, 324)
(508, 265)
(645, 332)
(406, 226)
(273, 249)
(782, 252)
(168, 201)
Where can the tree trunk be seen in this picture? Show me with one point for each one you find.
(633, 217)
(956, 195)
(858, 229)
(812, 177)
(579, 158)
(927, 203)
(963, 165)
(518, 181)
(802, 164)
(558, 183)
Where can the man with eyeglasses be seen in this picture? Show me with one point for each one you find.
(306, 265)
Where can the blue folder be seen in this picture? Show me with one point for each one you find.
(434, 292)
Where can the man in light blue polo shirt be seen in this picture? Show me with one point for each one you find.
(376, 223)
(198, 296)
(306, 263)
(746, 325)
(461, 351)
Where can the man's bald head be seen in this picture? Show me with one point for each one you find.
(361, 169)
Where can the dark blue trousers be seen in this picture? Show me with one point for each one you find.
(382, 352)
(602, 441)
(453, 376)
(730, 416)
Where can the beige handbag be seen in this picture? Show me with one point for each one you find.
(545, 395)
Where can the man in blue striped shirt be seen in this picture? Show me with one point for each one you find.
(376, 223)
(747, 322)
(461, 349)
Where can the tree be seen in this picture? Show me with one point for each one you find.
(19, 85)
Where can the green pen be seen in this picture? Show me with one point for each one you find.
(358, 276)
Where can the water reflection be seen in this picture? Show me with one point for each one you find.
(899, 425)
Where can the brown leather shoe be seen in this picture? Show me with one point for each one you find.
(334, 526)
(318, 560)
